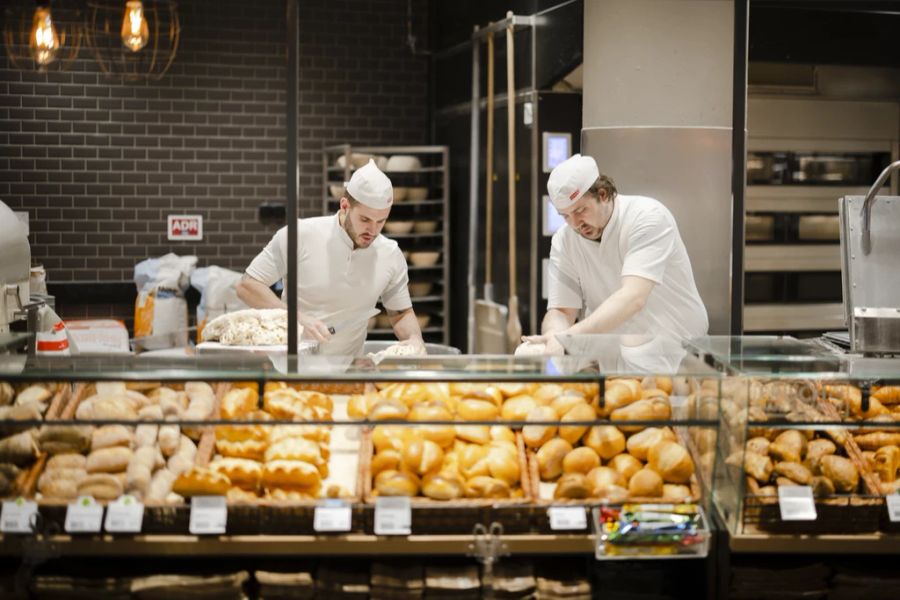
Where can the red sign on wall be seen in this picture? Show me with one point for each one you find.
(185, 227)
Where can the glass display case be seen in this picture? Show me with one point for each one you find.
(323, 455)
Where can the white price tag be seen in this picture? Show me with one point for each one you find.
(567, 518)
(125, 515)
(84, 516)
(17, 515)
(796, 503)
(893, 507)
(393, 515)
(209, 515)
(332, 515)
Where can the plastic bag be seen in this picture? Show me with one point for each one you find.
(218, 294)
(160, 306)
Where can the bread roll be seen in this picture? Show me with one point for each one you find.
(887, 461)
(601, 478)
(646, 483)
(389, 436)
(477, 434)
(672, 461)
(108, 460)
(422, 456)
(567, 401)
(396, 483)
(62, 439)
(758, 467)
(841, 471)
(290, 473)
(474, 409)
(654, 409)
(61, 489)
(536, 436)
(788, 446)
(821, 486)
(579, 412)
(111, 435)
(240, 471)
(66, 461)
(200, 481)
(639, 444)
(580, 460)
(618, 396)
(486, 487)
(550, 458)
(388, 410)
(101, 486)
(389, 459)
(294, 449)
(606, 440)
(238, 402)
(502, 432)
(251, 449)
(517, 408)
(19, 449)
(572, 485)
(676, 493)
(874, 441)
(169, 437)
(546, 393)
(503, 465)
(759, 445)
(442, 486)
(626, 464)
(793, 471)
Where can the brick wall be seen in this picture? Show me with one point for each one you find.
(99, 164)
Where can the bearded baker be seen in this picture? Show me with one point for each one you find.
(344, 267)
(618, 265)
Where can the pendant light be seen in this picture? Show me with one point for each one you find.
(41, 37)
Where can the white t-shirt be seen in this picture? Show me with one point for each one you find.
(641, 239)
(336, 282)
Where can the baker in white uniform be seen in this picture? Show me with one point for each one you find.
(618, 265)
(345, 266)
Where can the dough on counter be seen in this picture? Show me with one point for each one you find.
(249, 327)
(530, 349)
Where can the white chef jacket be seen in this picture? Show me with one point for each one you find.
(640, 239)
(336, 282)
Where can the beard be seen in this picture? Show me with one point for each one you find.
(353, 235)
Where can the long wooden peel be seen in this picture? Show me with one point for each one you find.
(513, 325)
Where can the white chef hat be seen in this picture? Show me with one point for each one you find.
(371, 187)
(571, 179)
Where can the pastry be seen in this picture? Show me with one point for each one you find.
(34, 394)
(606, 440)
(502, 432)
(388, 410)
(7, 393)
(550, 458)
(758, 466)
(111, 435)
(672, 461)
(536, 436)
(887, 461)
(789, 446)
(646, 483)
(572, 485)
(19, 449)
(237, 495)
(875, 440)
(60, 439)
(108, 460)
(887, 394)
(580, 460)
(240, 471)
(759, 445)
(821, 486)
(290, 473)
(201, 482)
(841, 471)
(169, 437)
(102, 486)
(251, 449)
(316, 433)
(793, 471)
(239, 402)
(815, 450)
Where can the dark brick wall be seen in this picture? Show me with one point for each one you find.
(99, 164)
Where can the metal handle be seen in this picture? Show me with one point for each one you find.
(866, 212)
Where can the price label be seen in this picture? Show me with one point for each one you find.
(209, 515)
(567, 518)
(84, 516)
(125, 515)
(393, 515)
(796, 503)
(893, 507)
(332, 515)
(17, 516)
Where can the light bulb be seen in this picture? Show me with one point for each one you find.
(135, 33)
(43, 41)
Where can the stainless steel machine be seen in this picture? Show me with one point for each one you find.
(870, 261)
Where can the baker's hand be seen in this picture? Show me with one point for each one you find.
(551, 345)
(313, 328)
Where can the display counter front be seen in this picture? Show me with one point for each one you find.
(612, 452)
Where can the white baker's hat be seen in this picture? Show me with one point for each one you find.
(571, 179)
(371, 187)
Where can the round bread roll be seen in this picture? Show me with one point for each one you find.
(102, 486)
(111, 435)
(475, 409)
(391, 436)
(422, 456)
(654, 409)
(430, 411)
(550, 458)
(477, 434)
(632, 385)
(676, 493)
(618, 395)
(502, 432)
(385, 410)
(473, 461)
(606, 440)
(442, 486)
(387, 459)
(639, 444)
(536, 436)
(567, 401)
(626, 464)
(359, 405)
(442, 435)
(572, 485)
(579, 412)
(396, 483)
(580, 460)
(646, 483)
(66, 461)
(513, 388)
(615, 494)
(486, 487)
(503, 466)
(517, 408)
(672, 461)
(545, 393)
(602, 478)
(108, 460)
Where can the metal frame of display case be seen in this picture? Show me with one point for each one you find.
(329, 204)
